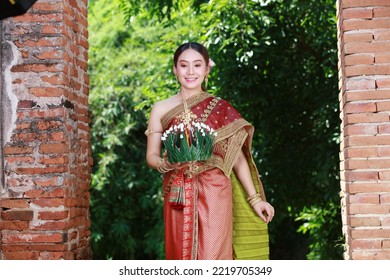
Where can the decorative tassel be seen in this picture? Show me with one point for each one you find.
(177, 197)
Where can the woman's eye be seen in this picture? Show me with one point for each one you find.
(183, 65)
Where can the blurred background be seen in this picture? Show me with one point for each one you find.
(276, 62)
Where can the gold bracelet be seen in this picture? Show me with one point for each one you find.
(254, 196)
(163, 166)
(254, 199)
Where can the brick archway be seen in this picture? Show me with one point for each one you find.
(364, 71)
(44, 198)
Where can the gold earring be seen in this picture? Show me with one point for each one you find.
(206, 80)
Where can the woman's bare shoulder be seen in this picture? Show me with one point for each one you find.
(163, 106)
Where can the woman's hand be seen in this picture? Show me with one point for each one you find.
(264, 210)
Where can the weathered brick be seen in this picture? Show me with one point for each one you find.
(14, 225)
(376, 69)
(49, 182)
(386, 244)
(42, 193)
(361, 107)
(364, 198)
(50, 225)
(382, 58)
(16, 150)
(384, 151)
(19, 215)
(353, 24)
(48, 92)
(364, 221)
(41, 170)
(361, 152)
(361, 129)
(48, 247)
(54, 148)
(54, 160)
(370, 255)
(364, 3)
(21, 255)
(45, 237)
(19, 160)
(14, 203)
(53, 215)
(383, 83)
(43, 255)
(356, 59)
(367, 95)
(384, 175)
(381, 34)
(48, 202)
(361, 175)
(366, 48)
(383, 106)
(361, 164)
(368, 187)
(381, 12)
(14, 247)
(366, 244)
(375, 140)
(369, 209)
(358, 13)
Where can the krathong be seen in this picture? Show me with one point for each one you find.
(189, 142)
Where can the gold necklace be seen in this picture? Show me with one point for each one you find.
(187, 115)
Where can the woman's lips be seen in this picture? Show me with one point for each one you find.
(191, 79)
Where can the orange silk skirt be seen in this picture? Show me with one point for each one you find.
(203, 229)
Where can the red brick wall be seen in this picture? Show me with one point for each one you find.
(44, 203)
(364, 71)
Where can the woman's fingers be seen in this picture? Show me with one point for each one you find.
(264, 207)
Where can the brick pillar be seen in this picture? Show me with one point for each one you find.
(364, 72)
(44, 201)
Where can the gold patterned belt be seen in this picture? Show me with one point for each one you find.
(196, 168)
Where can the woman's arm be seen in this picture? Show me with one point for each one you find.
(243, 172)
(154, 132)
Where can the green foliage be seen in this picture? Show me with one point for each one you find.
(126, 195)
(276, 62)
(319, 223)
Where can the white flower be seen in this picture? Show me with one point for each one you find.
(211, 63)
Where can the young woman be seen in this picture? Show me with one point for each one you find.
(214, 209)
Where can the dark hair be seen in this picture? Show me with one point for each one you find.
(191, 45)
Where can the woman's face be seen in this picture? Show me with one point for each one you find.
(191, 69)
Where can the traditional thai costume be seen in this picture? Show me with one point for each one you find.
(214, 220)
